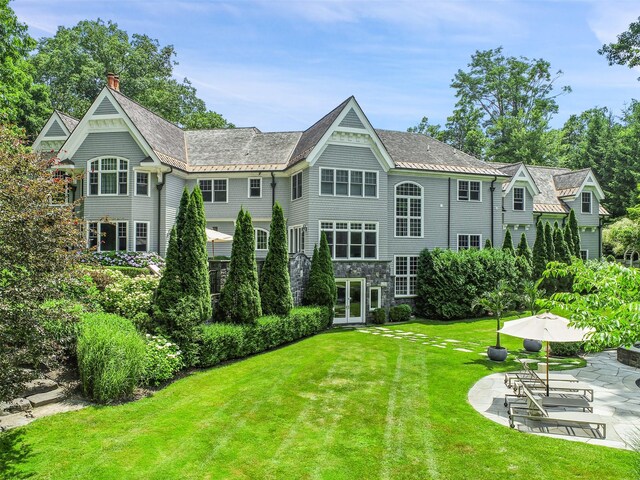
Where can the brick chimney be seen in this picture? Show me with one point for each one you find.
(113, 81)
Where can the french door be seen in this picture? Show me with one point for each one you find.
(350, 302)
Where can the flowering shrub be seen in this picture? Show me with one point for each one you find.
(129, 297)
(162, 360)
(123, 259)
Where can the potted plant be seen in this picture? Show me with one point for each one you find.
(530, 298)
(496, 303)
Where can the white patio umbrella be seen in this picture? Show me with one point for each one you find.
(214, 236)
(546, 327)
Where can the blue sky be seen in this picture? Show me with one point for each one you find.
(281, 65)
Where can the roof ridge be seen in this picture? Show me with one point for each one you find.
(143, 107)
(573, 171)
(343, 104)
(60, 112)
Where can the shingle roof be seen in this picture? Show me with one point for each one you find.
(418, 151)
(312, 135)
(571, 180)
(162, 136)
(239, 146)
(70, 122)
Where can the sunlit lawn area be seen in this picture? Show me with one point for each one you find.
(343, 404)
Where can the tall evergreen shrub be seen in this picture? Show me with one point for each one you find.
(240, 295)
(275, 284)
(321, 287)
(181, 218)
(568, 238)
(548, 240)
(539, 252)
(487, 243)
(560, 246)
(523, 249)
(169, 288)
(324, 257)
(508, 242)
(313, 290)
(573, 226)
(423, 287)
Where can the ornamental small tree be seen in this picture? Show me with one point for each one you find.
(573, 226)
(560, 246)
(275, 284)
(487, 243)
(539, 252)
(548, 240)
(240, 295)
(496, 302)
(508, 243)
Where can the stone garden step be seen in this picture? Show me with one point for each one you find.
(46, 398)
(15, 405)
(39, 385)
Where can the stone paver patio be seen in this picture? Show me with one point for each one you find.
(616, 396)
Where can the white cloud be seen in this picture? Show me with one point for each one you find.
(607, 19)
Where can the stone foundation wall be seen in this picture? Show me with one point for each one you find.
(299, 267)
(376, 274)
(629, 357)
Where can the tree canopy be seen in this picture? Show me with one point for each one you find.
(75, 61)
(626, 51)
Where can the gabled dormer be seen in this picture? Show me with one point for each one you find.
(55, 132)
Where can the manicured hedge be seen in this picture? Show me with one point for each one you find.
(379, 316)
(449, 282)
(111, 356)
(222, 341)
(400, 313)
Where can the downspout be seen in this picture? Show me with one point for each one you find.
(492, 189)
(449, 216)
(159, 187)
(273, 189)
(600, 238)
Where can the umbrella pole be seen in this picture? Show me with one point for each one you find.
(547, 368)
(213, 251)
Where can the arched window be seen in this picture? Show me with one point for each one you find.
(408, 210)
(108, 176)
(262, 239)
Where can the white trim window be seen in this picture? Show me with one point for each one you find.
(254, 187)
(375, 298)
(63, 197)
(142, 184)
(469, 190)
(585, 199)
(142, 236)
(351, 240)
(518, 199)
(408, 210)
(214, 190)
(467, 241)
(348, 183)
(113, 236)
(296, 238)
(584, 255)
(406, 273)
(296, 186)
(108, 176)
(261, 238)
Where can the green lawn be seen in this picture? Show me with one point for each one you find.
(343, 404)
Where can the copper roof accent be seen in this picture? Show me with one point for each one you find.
(603, 211)
(450, 168)
(171, 161)
(549, 208)
(260, 167)
(567, 192)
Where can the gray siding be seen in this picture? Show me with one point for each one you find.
(351, 120)
(298, 212)
(171, 194)
(589, 241)
(516, 217)
(105, 108)
(585, 218)
(332, 208)
(129, 208)
(55, 130)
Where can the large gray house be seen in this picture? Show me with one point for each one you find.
(381, 196)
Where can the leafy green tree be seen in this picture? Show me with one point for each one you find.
(575, 234)
(195, 259)
(240, 295)
(531, 294)
(73, 63)
(508, 243)
(169, 289)
(548, 240)
(23, 102)
(38, 244)
(540, 257)
(523, 250)
(560, 246)
(487, 243)
(275, 284)
(622, 237)
(626, 51)
(515, 99)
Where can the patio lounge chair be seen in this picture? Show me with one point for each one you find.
(557, 386)
(527, 373)
(557, 400)
(536, 411)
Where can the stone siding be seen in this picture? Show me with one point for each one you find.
(299, 268)
(376, 274)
